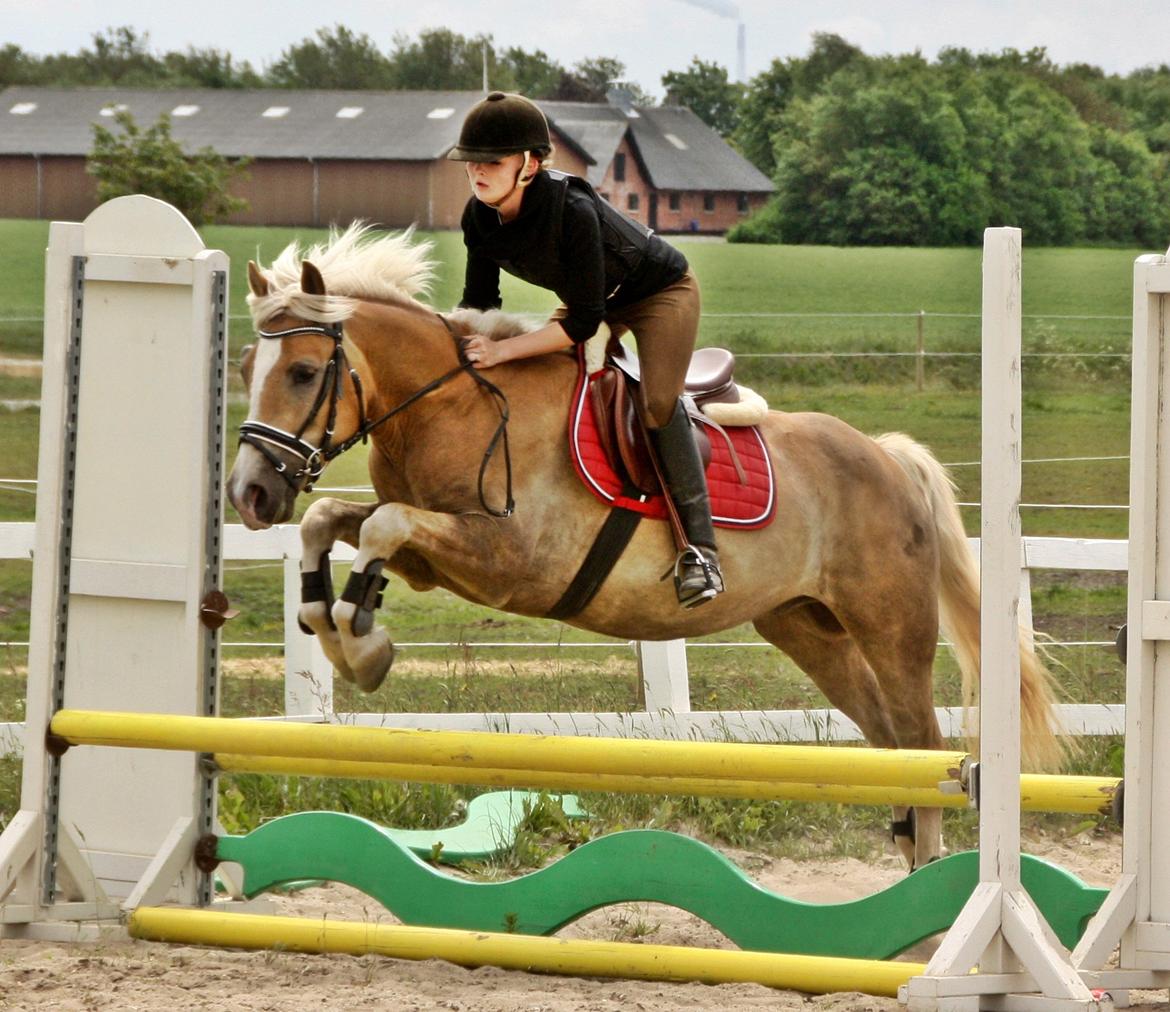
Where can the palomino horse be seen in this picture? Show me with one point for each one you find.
(866, 551)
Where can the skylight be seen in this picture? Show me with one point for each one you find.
(275, 112)
(678, 142)
(23, 108)
(184, 110)
(350, 111)
(440, 114)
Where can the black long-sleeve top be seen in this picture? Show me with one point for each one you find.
(568, 240)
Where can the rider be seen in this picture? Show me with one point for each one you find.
(553, 230)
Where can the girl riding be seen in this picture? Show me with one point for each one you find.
(554, 231)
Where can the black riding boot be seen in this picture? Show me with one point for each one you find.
(696, 571)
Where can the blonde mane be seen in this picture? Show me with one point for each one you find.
(355, 264)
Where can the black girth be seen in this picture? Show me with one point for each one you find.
(261, 436)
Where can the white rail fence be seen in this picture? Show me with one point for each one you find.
(308, 676)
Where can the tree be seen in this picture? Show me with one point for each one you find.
(590, 81)
(761, 114)
(337, 58)
(829, 54)
(881, 163)
(1126, 194)
(209, 68)
(705, 90)
(442, 59)
(150, 161)
(531, 74)
(17, 66)
(120, 56)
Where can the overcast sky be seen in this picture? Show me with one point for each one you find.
(650, 37)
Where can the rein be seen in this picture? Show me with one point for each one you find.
(260, 435)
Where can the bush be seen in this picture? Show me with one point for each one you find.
(765, 226)
(152, 162)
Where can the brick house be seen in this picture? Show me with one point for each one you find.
(663, 165)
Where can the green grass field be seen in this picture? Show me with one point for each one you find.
(758, 301)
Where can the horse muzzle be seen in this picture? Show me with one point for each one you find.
(259, 494)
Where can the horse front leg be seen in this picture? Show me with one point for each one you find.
(326, 522)
(465, 548)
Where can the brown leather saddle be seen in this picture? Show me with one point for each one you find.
(615, 402)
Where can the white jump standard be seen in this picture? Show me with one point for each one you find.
(134, 349)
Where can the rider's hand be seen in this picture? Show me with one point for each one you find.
(482, 352)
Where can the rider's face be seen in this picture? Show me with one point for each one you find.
(491, 182)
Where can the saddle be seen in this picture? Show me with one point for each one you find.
(620, 430)
(609, 449)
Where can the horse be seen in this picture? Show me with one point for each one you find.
(865, 557)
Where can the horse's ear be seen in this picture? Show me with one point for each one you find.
(311, 281)
(256, 281)
(247, 358)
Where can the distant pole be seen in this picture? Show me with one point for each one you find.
(485, 73)
(920, 361)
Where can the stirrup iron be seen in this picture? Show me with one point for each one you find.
(691, 564)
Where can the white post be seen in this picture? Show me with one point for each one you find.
(308, 675)
(662, 666)
(134, 356)
(1137, 912)
(999, 930)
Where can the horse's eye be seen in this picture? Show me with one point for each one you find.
(301, 374)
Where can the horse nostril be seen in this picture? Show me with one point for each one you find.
(255, 498)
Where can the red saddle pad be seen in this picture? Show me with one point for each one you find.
(745, 507)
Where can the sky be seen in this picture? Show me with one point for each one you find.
(651, 37)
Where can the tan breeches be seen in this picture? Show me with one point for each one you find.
(665, 326)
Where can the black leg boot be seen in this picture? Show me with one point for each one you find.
(696, 571)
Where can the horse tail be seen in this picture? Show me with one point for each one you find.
(1040, 746)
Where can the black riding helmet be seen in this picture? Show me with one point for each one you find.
(501, 125)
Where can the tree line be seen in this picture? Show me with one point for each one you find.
(899, 150)
(335, 58)
(863, 150)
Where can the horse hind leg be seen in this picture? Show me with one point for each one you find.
(813, 637)
(899, 643)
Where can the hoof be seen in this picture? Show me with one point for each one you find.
(374, 660)
(314, 620)
(331, 646)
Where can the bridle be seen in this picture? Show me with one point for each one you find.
(261, 436)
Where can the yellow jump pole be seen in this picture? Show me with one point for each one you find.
(470, 750)
(1039, 793)
(568, 957)
(761, 790)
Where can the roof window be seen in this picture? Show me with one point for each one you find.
(350, 111)
(440, 114)
(275, 112)
(677, 141)
(23, 108)
(184, 110)
(113, 110)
